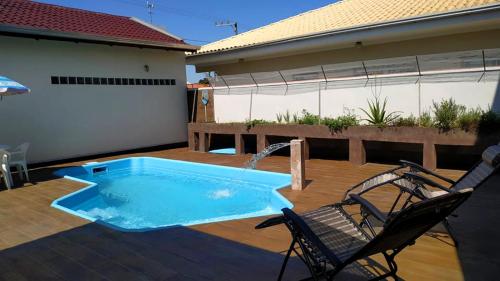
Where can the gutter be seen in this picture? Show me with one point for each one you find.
(450, 22)
(26, 32)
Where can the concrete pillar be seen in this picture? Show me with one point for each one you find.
(430, 156)
(203, 142)
(239, 142)
(357, 152)
(262, 142)
(297, 164)
(306, 147)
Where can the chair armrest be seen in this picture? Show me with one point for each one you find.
(423, 180)
(369, 207)
(424, 170)
(270, 222)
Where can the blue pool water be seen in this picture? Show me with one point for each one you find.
(228, 151)
(143, 193)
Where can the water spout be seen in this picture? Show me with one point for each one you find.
(252, 164)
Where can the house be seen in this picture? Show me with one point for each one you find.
(335, 58)
(99, 83)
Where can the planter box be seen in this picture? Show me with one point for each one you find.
(429, 137)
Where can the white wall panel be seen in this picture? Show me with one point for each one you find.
(405, 98)
(63, 121)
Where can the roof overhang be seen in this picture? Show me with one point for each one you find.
(461, 21)
(26, 32)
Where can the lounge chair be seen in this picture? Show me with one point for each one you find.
(330, 238)
(415, 180)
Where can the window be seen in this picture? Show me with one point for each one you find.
(64, 80)
(314, 73)
(492, 59)
(402, 66)
(345, 71)
(451, 62)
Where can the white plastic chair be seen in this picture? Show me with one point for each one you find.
(5, 168)
(18, 159)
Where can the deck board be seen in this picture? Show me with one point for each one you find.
(38, 242)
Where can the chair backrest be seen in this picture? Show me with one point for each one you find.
(403, 228)
(482, 171)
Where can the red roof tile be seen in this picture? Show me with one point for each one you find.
(40, 16)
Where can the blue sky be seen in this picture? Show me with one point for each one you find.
(194, 20)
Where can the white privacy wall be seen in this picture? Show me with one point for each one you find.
(63, 121)
(406, 98)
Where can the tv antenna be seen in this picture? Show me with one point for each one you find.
(232, 24)
(150, 5)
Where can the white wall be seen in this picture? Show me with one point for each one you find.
(407, 98)
(63, 121)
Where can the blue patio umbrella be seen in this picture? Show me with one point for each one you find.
(10, 87)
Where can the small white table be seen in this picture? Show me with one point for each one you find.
(4, 146)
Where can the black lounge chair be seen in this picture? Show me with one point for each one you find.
(330, 239)
(416, 181)
(474, 178)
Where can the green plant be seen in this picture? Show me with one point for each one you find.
(490, 120)
(341, 122)
(410, 121)
(283, 117)
(255, 122)
(286, 117)
(425, 120)
(446, 113)
(295, 118)
(469, 120)
(309, 118)
(377, 113)
(279, 117)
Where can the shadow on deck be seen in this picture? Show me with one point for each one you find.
(92, 252)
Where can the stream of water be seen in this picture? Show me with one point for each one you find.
(252, 163)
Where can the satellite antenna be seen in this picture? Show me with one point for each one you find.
(150, 5)
(233, 24)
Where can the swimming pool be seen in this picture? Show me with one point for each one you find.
(145, 193)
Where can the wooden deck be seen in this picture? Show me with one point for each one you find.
(38, 242)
